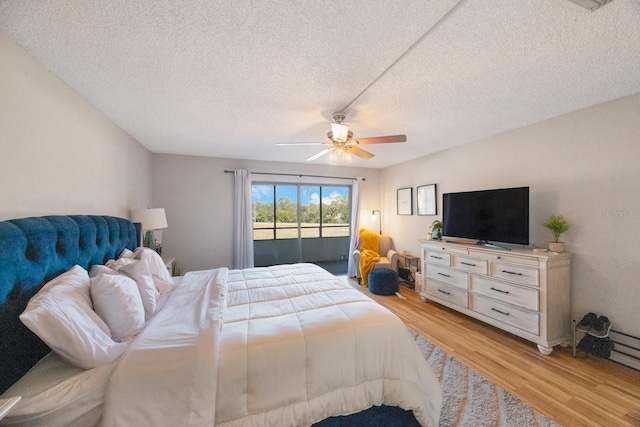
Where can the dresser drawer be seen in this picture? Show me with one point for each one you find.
(512, 294)
(503, 256)
(514, 273)
(472, 265)
(521, 319)
(437, 257)
(448, 276)
(452, 294)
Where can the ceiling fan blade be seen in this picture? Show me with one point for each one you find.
(320, 154)
(303, 143)
(359, 152)
(382, 139)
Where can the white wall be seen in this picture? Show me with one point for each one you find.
(584, 165)
(198, 199)
(58, 154)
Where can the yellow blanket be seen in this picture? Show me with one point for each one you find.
(369, 240)
(368, 259)
(369, 249)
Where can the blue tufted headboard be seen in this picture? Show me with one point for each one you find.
(32, 252)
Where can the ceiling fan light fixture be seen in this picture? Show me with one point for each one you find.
(341, 147)
(340, 132)
(340, 156)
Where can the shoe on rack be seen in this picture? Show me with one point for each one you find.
(600, 328)
(587, 343)
(602, 347)
(587, 322)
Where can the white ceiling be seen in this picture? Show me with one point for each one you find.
(233, 78)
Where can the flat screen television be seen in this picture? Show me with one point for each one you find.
(500, 215)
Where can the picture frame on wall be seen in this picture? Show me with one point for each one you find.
(427, 204)
(405, 201)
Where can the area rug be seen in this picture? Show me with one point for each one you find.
(470, 399)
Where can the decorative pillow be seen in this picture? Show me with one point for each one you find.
(156, 265)
(117, 301)
(141, 273)
(62, 316)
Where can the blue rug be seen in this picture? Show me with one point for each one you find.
(376, 416)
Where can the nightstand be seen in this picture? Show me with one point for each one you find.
(7, 404)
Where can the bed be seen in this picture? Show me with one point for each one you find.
(283, 345)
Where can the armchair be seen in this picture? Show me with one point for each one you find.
(387, 252)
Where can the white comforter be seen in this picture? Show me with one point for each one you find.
(168, 376)
(297, 345)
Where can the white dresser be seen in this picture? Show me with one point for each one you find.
(523, 292)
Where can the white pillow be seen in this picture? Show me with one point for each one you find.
(163, 286)
(141, 273)
(61, 315)
(100, 269)
(117, 301)
(119, 263)
(157, 266)
(126, 253)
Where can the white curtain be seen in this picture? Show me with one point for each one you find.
(352, 268)
(243, 224)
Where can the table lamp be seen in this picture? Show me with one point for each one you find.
(151, 220)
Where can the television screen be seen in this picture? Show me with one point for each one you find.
(500, 215)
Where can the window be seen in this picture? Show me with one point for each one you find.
(284, 211)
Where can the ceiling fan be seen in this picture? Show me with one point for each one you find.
(342, 146)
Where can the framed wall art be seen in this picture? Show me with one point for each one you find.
(427, 200)
(405, 201)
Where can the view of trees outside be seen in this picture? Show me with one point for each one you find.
(324, 211)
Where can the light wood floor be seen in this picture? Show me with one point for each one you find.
(582, 391)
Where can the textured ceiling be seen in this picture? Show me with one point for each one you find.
(233, 78)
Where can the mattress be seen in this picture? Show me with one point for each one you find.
(55, 393)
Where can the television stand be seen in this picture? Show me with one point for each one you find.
(523, 292)
(488, 244)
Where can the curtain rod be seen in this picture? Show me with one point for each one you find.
(300, 175)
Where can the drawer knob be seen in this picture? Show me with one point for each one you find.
(512, 272)
(436, 257)
(468, 263)
(501, 312)
(442, 274)
(499, 290)
(444, 292)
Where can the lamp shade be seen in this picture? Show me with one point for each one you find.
(151, 219)
(340, 131)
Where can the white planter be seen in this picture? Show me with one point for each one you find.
(556, 246)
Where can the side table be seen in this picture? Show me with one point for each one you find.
(407, 276)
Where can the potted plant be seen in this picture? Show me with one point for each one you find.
(558, 225)
(436, 229)
(177, 269)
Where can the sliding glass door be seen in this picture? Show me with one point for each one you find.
(301, 223)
